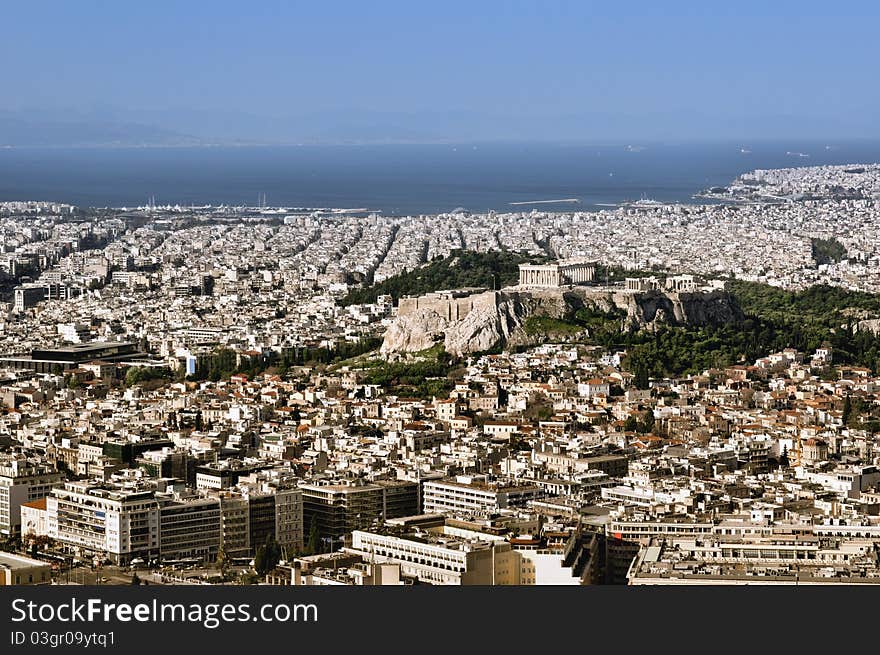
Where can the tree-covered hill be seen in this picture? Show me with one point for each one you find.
(774, 319)
(462, 268)
(821, 304)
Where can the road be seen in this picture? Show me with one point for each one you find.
(104, 575)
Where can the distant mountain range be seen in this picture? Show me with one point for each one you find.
(20, 130)
(185, 127)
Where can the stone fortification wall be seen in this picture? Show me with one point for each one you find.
(448, 306)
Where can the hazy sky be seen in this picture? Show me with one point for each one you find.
(448, 69)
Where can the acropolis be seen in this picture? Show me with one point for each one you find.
(557, 274)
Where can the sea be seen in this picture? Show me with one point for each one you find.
(403, 179)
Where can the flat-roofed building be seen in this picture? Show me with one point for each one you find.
(27, 296)
(89, 518)
(441, 559)
(22, 481)
(20, 570)
(340, 508)
(189, 528)
(252, 513)
(49, 360)
(467, 495)
(561, 462)
(796, 560)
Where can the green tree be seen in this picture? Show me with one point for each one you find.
(268, 555)
(783, 459)
(641, 377)
(223, 561)
(133, 375)
(314, 544)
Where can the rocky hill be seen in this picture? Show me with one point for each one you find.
(461, 268)
(503, 317)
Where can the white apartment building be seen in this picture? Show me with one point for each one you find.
(442, 560)
(90, 519)
(22, 481)
(472, 495)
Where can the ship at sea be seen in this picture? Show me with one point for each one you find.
(642, 202)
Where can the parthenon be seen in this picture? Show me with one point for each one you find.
(556, 275)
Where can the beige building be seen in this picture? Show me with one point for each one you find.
(20, 570)
(442, 559)
(446, 409)
(89, 518)
(814, 450)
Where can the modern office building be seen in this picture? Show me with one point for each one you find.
(50, 360)
(189, 528)
(337, 509)
(252, 513)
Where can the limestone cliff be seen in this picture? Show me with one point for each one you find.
(499, 317)
(710, 308)
(413, 332)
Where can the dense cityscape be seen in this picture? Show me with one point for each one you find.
(648, 394)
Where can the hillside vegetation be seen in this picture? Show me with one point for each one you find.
(462, 268)
(775, 319)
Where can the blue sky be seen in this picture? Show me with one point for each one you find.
(448, 69)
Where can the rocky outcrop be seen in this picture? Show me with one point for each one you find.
(420, 330)
(480, 330)
(501, 319)
(483, 328)
(709, 308)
